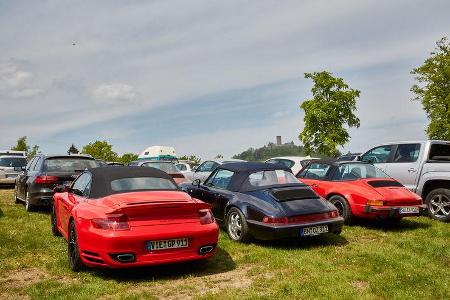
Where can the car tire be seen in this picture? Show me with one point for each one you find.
(28, 206)
(438, 203)
(343, 208)
(73, 253)
(237, 227)
(55, 230)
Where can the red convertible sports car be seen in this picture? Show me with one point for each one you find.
(131, 216)
(359, 189)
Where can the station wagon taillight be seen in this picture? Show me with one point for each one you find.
(45, 179)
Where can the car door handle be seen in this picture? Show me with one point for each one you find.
(412, 170)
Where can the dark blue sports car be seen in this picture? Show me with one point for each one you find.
(264, 201)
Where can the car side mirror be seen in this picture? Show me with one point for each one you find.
(196, 182)
(61, 189)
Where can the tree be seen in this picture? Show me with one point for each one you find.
(34, 151)
(21, 145)
(433, 90)
(100, 150)
(192, 158)
(73, 150)
(126, 158)
(219, 156)
(331, 108)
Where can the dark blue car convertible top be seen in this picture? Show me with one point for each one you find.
(242, 170)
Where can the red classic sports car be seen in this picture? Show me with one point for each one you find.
(359, 189)
(131, 216)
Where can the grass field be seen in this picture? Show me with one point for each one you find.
(368, 261)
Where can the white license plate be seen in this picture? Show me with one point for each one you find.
(315, 230)
(409, 210)
(167, 244)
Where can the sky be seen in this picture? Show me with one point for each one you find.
(207, 77)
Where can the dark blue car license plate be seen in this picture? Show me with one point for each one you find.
(313, 230)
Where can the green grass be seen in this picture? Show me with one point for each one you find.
(368, 261)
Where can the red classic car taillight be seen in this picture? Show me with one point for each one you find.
(112, 222)
(206, 217)
(45, 179)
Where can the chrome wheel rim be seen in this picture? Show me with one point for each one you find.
(234, 226)
(440, 206)
(27, 202)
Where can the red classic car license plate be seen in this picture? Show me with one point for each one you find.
(314, 230)
(167, 244)
(409, 210)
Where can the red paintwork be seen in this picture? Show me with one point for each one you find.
(152, 215)
(358, 192)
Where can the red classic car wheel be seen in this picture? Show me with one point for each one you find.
(343, 208)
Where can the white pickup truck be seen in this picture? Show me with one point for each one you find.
(421, 166)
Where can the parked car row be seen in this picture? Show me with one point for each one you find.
(151, 213)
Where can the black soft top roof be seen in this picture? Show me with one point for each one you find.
(102, 177)
(243, 169)
(252, 167)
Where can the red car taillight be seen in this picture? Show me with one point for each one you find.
(45, 179)
(112, 222)
(205, 216)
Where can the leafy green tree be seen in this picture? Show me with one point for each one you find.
(100, 150)
(34, 151)
(126, 158)
(272, 150)
(190, 158)
(331, 108)
(433, 90)
(73, 150)
(21, 145)
(219, 156)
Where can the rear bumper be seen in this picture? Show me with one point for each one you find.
(264, 231)
(41, 197)
(99, 248)
(394, 211)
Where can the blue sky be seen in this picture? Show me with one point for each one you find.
(207, 77)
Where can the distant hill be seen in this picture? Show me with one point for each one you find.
(272, 150)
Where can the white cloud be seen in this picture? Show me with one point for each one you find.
(115, 93)
(16, 83)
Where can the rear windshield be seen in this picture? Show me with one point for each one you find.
(142, 184)
(69, 164)
(440, 152)
(270, 178)
(13, 161)
(358, 171)
(163, 166)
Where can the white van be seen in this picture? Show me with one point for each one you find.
(159, 153)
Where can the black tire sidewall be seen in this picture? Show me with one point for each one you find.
(76, 264)
(245, 237)
(347, 211)
(55, 230)
(430, 195)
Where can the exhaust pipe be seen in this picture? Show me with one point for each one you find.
(205, 249)
(125, 257)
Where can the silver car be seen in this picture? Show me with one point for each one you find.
(10, 167)
(205, 169)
